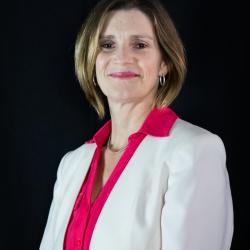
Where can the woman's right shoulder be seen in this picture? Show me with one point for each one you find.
(79, 152)
(71, 159)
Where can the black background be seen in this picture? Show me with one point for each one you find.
(44, 113)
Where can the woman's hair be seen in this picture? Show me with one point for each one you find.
(170, 44)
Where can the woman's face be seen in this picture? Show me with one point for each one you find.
(129, 63)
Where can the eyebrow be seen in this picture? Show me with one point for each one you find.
(132, 36)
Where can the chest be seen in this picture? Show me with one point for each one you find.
(134, 204)
(106, 165)
(134, 200)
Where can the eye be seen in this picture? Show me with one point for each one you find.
(107, 44)
(140, 45)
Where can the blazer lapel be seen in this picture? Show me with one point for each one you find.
(117, 208)
(78, 170)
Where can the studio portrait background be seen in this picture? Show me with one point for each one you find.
(45, 114)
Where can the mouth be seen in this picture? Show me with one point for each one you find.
(124, 75)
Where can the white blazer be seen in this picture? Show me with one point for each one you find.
(174, 194)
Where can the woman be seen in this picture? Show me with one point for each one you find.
(147, 179)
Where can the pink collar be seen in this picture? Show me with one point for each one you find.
(158, 123)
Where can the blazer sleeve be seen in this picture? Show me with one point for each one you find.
(198, 212)
(48, 235)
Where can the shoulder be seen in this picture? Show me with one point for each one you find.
(188, 143)
(80, 152)
(71, 160)
(187, 130)
(184, 133)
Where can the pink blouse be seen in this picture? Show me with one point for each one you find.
(85, 214)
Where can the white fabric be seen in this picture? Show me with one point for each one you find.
(174, 194)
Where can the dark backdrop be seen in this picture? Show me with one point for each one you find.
(44, 113)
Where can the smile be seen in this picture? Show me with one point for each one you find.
(124, 75)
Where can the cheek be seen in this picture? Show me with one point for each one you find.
(100, 64)
(152, 62)
(151, 69)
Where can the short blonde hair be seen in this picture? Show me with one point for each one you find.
(170, 44)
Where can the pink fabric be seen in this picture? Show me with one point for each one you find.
(85, 215)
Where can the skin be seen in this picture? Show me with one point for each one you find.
(127, 43)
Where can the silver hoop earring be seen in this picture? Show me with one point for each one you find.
(94, 81)
(162, 80)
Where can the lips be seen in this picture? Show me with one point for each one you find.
(124, 74)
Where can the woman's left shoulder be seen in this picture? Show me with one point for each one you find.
(190, 146)
(188, 134)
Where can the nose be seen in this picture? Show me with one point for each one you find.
(123, 54)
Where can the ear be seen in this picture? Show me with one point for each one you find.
(163, 68)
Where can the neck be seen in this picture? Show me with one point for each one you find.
(126, 120)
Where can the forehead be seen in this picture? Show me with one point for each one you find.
(131, 21)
